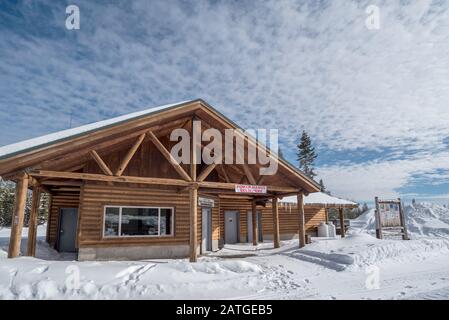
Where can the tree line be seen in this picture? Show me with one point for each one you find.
(7, 195)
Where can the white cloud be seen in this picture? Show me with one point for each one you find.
(383, 178)
(277, 64)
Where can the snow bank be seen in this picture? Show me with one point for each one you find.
(427, 220)
(221, 267)
(31, 278)
(428, 227)
(361, 249)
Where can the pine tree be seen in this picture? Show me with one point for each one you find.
(322, 187)
(306, 155)
(7, 194)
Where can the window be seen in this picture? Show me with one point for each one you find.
(137, 221)
(111, 221)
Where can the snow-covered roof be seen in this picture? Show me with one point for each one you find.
(320, 198)
(73, 132)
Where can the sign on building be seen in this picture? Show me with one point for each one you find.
(247, 188)
(206, 202)
(390, 218)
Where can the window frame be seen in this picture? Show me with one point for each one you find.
(172, 231)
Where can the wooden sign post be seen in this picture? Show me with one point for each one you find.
(390, 217)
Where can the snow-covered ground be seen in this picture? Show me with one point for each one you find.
(356, 267)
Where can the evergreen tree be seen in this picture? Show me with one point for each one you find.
(322, 187)
(7, 194)
(306, 155)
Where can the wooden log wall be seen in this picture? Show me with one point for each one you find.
(288, 218)
(96, 196)
(59, 200)
(215, 217)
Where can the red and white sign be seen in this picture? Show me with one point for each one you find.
(247, 188)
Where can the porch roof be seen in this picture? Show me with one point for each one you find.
(321, 199)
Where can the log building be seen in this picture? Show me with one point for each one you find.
(116, 193)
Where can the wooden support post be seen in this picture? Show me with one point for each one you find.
(103, 166)
(301, 221)
(254, 222)
(18, 216)
(206, 171)
(168, 156)
(130, 155)
(50, 202)
(326, 214)
(342, 222)
(403, 222)
(378, 222)
(275, 222)
(32, 223)
(249, 174)
(260, 180)
(225, 174)
(193, 193)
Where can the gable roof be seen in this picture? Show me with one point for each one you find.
(47, 141)
(34, 143)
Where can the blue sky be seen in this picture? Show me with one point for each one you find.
(375, 102)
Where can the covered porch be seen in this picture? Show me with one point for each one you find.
(126, 163)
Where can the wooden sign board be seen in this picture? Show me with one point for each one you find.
(246, 188)
(390, 218)
(206, 202)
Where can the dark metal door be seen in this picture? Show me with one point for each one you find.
(231, 227)
(206, 230)
(67, 230)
